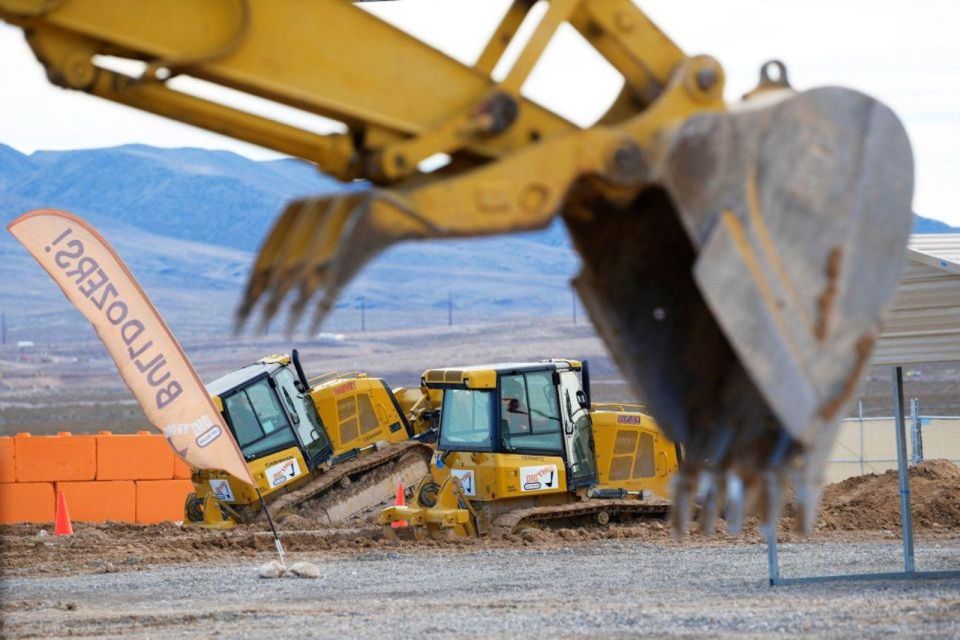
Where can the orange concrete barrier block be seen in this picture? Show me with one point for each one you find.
(55, 458)
(101, 501)
(144, 456)
(26, 502)
(7, 461)
(161, 500)
(180, 468)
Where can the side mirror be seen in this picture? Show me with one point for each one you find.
(582, 399)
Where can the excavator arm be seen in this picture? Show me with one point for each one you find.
(737, 258)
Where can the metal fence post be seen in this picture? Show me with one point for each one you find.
(916, 432)
(860, 415)
(903, 469)
(769, 531)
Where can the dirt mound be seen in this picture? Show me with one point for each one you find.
(873, 501)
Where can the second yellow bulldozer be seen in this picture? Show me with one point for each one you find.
(304, 437)
(521, 443)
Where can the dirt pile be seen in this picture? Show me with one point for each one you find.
(872, 501)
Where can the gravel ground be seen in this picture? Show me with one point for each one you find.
(609, 589)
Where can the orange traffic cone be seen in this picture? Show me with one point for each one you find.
(400, 501)
(61, 524)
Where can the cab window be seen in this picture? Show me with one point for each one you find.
(466, 420)
(308, 424)
(259, 421)
(530, 413)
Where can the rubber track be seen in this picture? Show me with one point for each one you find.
(334, 475)
(508, 522)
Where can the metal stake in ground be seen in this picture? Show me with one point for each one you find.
(276, 537)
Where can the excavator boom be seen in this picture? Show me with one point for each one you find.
(737, 259)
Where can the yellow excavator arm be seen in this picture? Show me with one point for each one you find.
(736, 258)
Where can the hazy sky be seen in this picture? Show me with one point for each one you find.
(905, 53)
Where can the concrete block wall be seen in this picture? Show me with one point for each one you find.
(118, 477)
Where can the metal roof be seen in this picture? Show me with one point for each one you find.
(239, 377)
(923, 324)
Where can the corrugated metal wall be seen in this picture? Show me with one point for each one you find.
(923, 324)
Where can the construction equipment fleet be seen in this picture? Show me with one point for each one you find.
(304, 437)
(521, 443)
(736, 259)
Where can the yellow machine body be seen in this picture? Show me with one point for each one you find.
(359, 411)
(631, 451)
(469, 491)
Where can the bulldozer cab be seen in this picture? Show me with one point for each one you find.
(267, 411)
(535, 409)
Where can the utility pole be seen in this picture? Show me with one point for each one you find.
(449, 308)
(363, 313)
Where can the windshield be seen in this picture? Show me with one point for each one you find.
(308, 424)
(259, 422)
(530, 413)
(466, 420)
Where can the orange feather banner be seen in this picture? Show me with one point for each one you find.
(150, 360)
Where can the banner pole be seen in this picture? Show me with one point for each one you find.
(276, 537)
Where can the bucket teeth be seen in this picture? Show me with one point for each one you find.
(262, 269)
(317, 246)
(773, 495)
(808, 492)
(710, 496)
(735, 506)
(682, 487)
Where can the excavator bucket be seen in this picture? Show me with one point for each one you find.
(744, 293)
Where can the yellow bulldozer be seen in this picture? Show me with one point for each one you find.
(521, 444)
(736, 258)
(303, 438)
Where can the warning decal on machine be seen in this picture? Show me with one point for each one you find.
(283, 472)
(539, 478)
(467, 481)
(221, 490)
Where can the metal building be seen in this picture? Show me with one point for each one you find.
(924, 323)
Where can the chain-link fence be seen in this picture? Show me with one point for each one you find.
(869, 445)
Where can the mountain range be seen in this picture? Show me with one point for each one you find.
(187, 221)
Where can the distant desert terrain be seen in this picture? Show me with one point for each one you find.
(75, 387)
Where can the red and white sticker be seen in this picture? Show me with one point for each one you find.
(539, 478)
(283, 472)
(468, 481)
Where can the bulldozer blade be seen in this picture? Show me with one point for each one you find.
(318, 245)
(745, 289)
